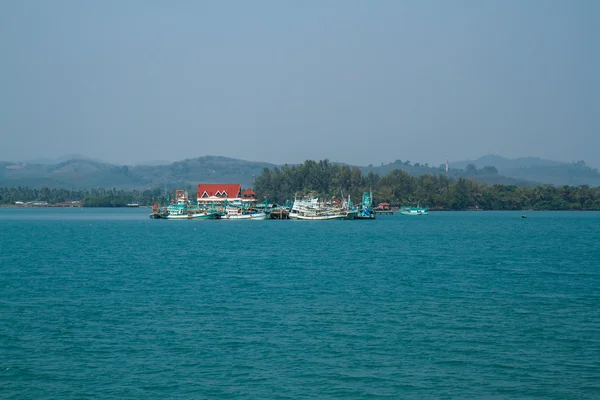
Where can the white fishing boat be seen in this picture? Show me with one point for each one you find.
(407, 210)
(312, 209)
(248, 210)
(233, 213)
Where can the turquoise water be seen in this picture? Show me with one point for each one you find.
(106, 303)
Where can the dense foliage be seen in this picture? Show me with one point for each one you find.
(88, 198)
(325, 180)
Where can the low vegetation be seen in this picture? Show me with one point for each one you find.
(327, 180)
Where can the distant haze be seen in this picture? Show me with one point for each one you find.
(352, 81)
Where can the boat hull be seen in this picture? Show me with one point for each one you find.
(414, 211)
(209, 215)
(371, 216)
(184, 216)
(317, 217)
(255, 216)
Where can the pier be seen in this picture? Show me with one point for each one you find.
(280, 213)
(384, 208)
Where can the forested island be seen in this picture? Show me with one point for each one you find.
(327, 180)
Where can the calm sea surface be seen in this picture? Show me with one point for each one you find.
(106, 303)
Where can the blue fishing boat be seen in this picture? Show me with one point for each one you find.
(181, 208)
(366, 210)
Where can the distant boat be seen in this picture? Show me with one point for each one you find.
(182, 209)
(366, 210)
(408, 210)
(248, 211)
(239, 213)
(312, 209)
(523, 216)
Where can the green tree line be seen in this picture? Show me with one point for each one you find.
(88, 198)
(398, 188)
(327, 180)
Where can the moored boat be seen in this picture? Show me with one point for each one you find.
(238, 213)
(249, 210)
(408, 210)
(181, 208)
(366, 210)
(312, 210)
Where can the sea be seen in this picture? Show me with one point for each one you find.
(109, 304)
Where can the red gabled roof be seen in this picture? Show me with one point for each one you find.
(232, 189)
(383, 205)
(249, 192)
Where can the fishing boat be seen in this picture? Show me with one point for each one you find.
(366, 210)
(410, 210)
(311, 209)
(238, 213)
(181, 208)
(157, 212)
(236, 210)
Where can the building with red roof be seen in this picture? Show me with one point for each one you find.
(219, 192)
(249, 195)
(383, 206)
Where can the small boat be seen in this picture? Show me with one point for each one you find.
(156, 213)
(523, 216)
(409, 210)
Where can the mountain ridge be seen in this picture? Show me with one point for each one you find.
(537, 169)
(86, 173)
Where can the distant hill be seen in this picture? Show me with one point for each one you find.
(482, 175)
(503, 163)
(85, 173)
(538, 170)
(207, 169)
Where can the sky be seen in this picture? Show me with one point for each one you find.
(360, 82)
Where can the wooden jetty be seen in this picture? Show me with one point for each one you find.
(280, 213)
(383, 212)
(384, 208)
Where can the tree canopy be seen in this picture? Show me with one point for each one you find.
(434, 191)
(327, 180)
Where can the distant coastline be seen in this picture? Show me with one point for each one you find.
(325, 180)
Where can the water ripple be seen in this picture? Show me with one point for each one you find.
(107, 303)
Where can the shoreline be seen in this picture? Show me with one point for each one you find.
(19, 206)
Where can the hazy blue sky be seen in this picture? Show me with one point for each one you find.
(354, 81)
